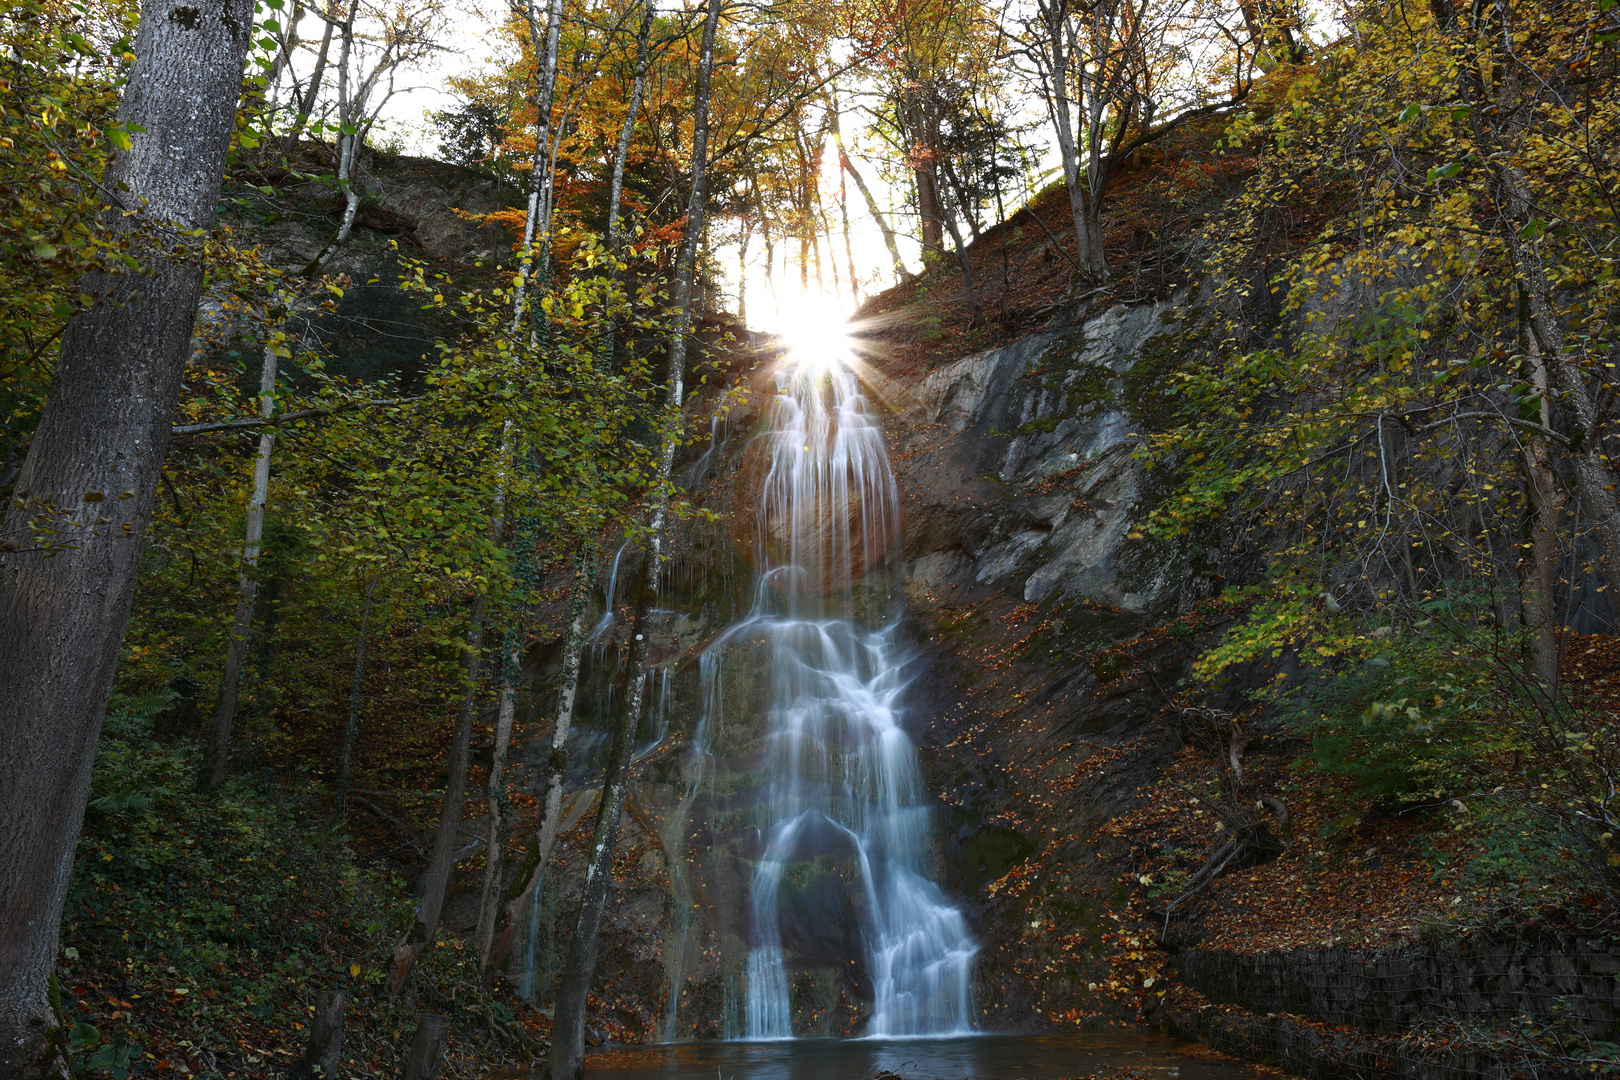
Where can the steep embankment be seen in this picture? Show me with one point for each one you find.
(1085, 775)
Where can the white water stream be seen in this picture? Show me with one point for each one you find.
(842, 774)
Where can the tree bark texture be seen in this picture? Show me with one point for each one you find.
(247, 590)
(326, 1033)
(427, 1047)
(567, 1060)
(1545, 499)
(91, 479)
(442, 860)
(347, 140)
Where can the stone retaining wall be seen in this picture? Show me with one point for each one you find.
(1569, 979)
(1320, 1052)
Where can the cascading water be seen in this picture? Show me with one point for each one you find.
(843, 781)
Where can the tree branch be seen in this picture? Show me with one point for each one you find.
(249, 423)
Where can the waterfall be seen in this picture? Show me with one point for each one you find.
(842, 784)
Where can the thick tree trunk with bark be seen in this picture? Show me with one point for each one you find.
(568, 1026)
(91, 479)
(247, 590)
(1539, 566)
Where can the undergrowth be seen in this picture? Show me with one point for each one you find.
(198, 929)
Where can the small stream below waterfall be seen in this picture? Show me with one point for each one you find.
(977, 1057)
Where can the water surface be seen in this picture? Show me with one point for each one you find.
(980, 1057)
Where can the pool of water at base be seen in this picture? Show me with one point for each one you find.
(975, 1057)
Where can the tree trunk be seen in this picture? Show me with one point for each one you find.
(351, 729)
(316, 77)
(1498, 122)
(568, 1028)
(495, 793)
(923, 131)
(742, 271)
(770, 267)
(247, 590)
(556, 768)
(1055, 23)
(284, 55)
(427, 1047)
(889, 239)
(347, 140)
(1539, 566)
(326, 1033)
(849, 244)
(568, 1024)
(1593, 478)
(539, 178)
(71, 546)
(441, 862)
(970, 294)
(621, 153)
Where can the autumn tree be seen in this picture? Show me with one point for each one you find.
(1409, 407)
(1118, 75)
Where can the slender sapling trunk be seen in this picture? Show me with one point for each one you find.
(248, 587)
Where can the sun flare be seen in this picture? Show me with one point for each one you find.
(815, 333)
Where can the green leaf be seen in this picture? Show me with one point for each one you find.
(43, 250)
(1410, 113)
(119, 137)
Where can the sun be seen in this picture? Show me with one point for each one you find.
(814, 330)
